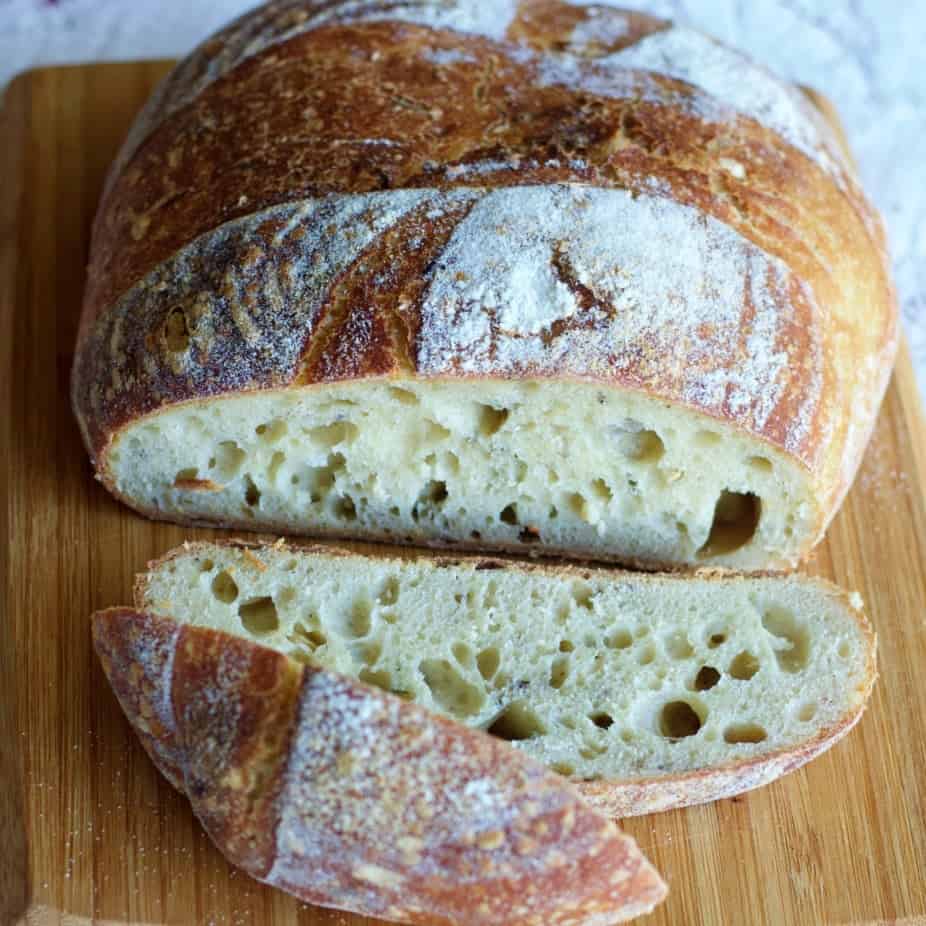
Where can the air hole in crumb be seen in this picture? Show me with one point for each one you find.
(369, 652)
(563, 768)
(602, 491)
(176, 331)
(287, 596)
(509, 514)
(517, 722)
(360, 619)
(452, 462)
(491, 419)
(706, 678)
(582, 594)
(450, 690)
(794, 654)
(559, 672)
(578, 505)
(206, 565)
(647, 655)
(718, 638)
(807, 712)
(434, 432)
(678, 646)
(744, 733)
(303, 636)
(736, 519)
(554, 512)
(679, 719)
(330, 435)
(272, 431)
(389, 593)
(744, 666)
(276, 461)
(566, 646)
(844, 650)
(229, 458)
(475, 535)
(186, 475)
(488, 661)
(706, 439)
(251, 492)
(762, 464)
(225, 588)
(529, 534)
(378, 678)
(430, 499)
(345, 509)
(259, 616)
(627, 736)
(602, 720)
(404, 396)
(619, 639)
(463, 654)
(642, 446)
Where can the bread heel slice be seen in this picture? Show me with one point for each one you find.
(349, 797)
(650, 692)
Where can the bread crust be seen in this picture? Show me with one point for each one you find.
(351, 798)
(200, 281)
(632, 797)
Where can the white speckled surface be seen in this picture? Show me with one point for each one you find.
(865, 55)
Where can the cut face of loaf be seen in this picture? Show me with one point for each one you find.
(651, 691)
(530, 466)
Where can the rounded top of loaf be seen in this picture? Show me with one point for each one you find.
(341, 190)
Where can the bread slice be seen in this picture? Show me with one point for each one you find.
(350, 798)
(649, 691)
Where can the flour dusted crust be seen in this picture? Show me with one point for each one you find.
(350, 798)
(481, 191)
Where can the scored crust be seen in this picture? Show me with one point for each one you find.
(351, 798)
(218, 211)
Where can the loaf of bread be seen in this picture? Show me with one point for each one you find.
(507, 275)
(650, 692)
(350, 798)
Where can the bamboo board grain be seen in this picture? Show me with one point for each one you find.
(89, 832)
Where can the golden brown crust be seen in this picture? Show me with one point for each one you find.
(230, 255)
(351, 798)
(137, 661)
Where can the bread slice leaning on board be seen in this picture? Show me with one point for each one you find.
(524, 276)
(351, 798)
(650, 692)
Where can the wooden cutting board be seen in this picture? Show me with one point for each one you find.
(89, 832)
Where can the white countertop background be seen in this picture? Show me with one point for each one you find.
(867, 56)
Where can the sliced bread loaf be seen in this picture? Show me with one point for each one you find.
(650, 691)
(514, 276)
